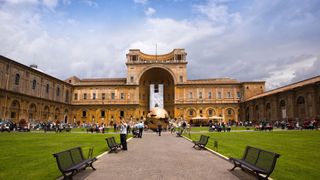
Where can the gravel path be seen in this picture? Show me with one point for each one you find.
(162, 157)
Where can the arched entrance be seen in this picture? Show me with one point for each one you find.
(268, 111)
(256, 113)
(32, 112)
(15, 111)
(156, 89)
(283, 109)
(230, 116)
(65, 116)
(57, 115)
(45, 114)
(301, 113)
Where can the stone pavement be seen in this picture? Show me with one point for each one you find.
(162, 157)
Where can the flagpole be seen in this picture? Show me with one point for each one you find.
(156, 52)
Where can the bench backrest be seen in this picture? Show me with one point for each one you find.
(68, 158)
(111, 142)
(77, 155)
(265, 160)
(204, 139)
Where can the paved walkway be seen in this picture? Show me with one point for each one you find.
(164, 157)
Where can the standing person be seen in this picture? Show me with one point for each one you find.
(141, 126)
(115, 127)
(123, 135)
(159, 129)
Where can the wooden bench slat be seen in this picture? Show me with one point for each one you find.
(257, 160)
(71, 161)
(202, 141)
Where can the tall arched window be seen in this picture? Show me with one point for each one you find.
(47, 88)
(67, 96)
(58, 91)
(17, 79)
(34, 84)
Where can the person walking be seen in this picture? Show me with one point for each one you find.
(141, 126)
(123, 135)
(159, 129)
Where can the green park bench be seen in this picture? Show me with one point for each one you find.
(112, 144)
(257, 160)
(72, 161)
(202, 142)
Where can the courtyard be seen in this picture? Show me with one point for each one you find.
(29, 155)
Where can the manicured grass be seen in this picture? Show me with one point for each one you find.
(85, 130)
(29, 155)
(299, 150)
(206, 128)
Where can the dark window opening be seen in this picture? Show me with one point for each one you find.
(103, 113)
(17, 79)
(34, 83)
(47, 88)
(84, 113)
(121, 113)
(156, 88)
(58, 91)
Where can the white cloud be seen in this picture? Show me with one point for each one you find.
(51, 4)
(140, 1)
(149, 11)
(261, 44)
(218, 13)
(91, 3)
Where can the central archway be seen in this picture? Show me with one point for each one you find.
(156, 76)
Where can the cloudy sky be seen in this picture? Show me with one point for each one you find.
(273, 40)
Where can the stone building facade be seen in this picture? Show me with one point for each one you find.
(295, 102)
(27, 94)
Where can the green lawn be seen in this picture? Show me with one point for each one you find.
(29, 155)
(85, 130)
(299, 150)
(206, 128)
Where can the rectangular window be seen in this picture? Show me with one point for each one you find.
(179, 57)
(34, 84)
(134, 58)
(84, 113)
(85, 96)
(181, 79)
(131, 79)
(229, 94)
(93, 95)
(103, 113)
(209, 95)
(58, 91)
(75, 96)
(190, 95)
(113, 95)
(156, 88)
(103, 96)
(238, 94)
(200, 95)
(47, 88)
(121, 113)
(219, 95)
(121, 95)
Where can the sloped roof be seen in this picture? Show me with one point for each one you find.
(102, 81)
(305, 82)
